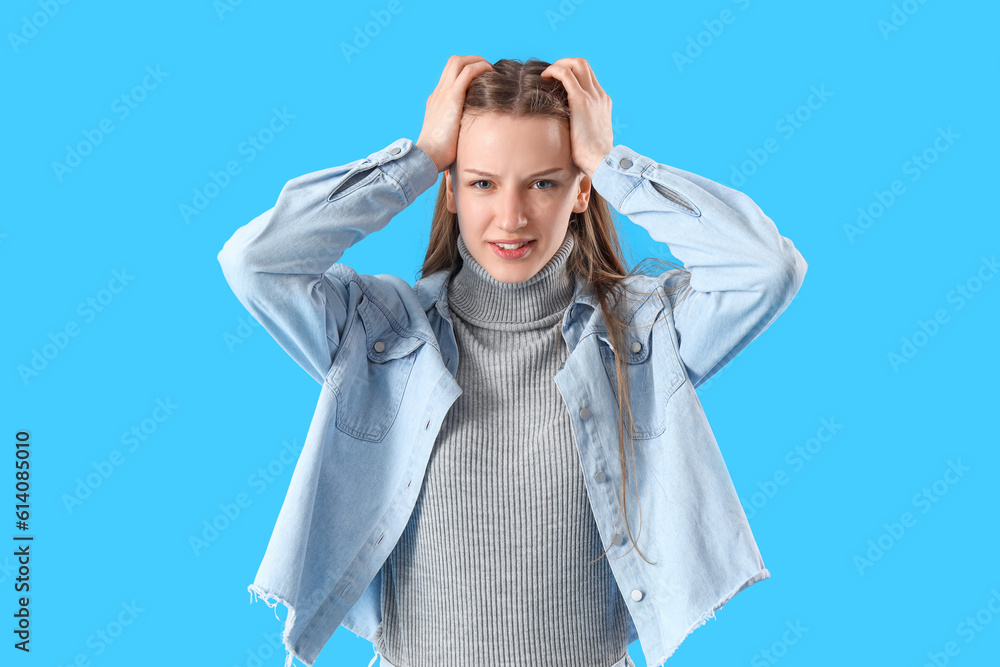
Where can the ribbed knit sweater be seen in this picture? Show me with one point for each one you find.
(494, 567)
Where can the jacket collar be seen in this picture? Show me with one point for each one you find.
(432, 291)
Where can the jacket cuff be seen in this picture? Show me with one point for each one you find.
(408, 165)
(607, 180)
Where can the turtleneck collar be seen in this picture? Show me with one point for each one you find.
(478, 297)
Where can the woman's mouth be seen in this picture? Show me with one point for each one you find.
(515, 252)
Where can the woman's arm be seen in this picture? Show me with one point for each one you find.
(743, 272)
(282, 265)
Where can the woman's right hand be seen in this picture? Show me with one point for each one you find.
(439, 135)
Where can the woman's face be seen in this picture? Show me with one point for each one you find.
(500, 194)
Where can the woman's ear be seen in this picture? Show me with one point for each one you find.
(583, 197)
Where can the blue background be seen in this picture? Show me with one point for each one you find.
(118, 548)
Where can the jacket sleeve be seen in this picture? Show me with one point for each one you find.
(743, 273)
(282, 265)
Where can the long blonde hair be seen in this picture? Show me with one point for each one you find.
(516, 89)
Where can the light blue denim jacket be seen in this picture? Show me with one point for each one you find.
(385, 355)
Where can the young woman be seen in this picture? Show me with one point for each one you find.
(482, 436)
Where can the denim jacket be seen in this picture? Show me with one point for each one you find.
(385, 355)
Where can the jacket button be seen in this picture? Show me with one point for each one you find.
(379, 346)
(427, 425)
(395, 150)
(637, 595)
(625, 163)
(636, 346)
(618, 539)
(408, 484)
(600, 476)
(585, 413)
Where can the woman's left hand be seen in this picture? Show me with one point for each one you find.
(590, 112)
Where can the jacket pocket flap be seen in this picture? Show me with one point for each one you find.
(385, 340)
(637, 343)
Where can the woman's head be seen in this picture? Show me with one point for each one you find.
(514, 181)
(514, 123)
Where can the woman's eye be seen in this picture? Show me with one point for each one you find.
(552, 184)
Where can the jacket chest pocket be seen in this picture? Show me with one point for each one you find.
(654, 374)
(369, 373)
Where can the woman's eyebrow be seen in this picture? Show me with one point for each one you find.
(538, 173)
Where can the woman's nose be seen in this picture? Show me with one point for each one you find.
(512, 213)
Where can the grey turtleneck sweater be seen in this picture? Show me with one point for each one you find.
(494, 565)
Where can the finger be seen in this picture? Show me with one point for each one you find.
(569, 80)
(581, 70)
(554, 67)
(469, 72)
(592, 77)
(456, 64)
